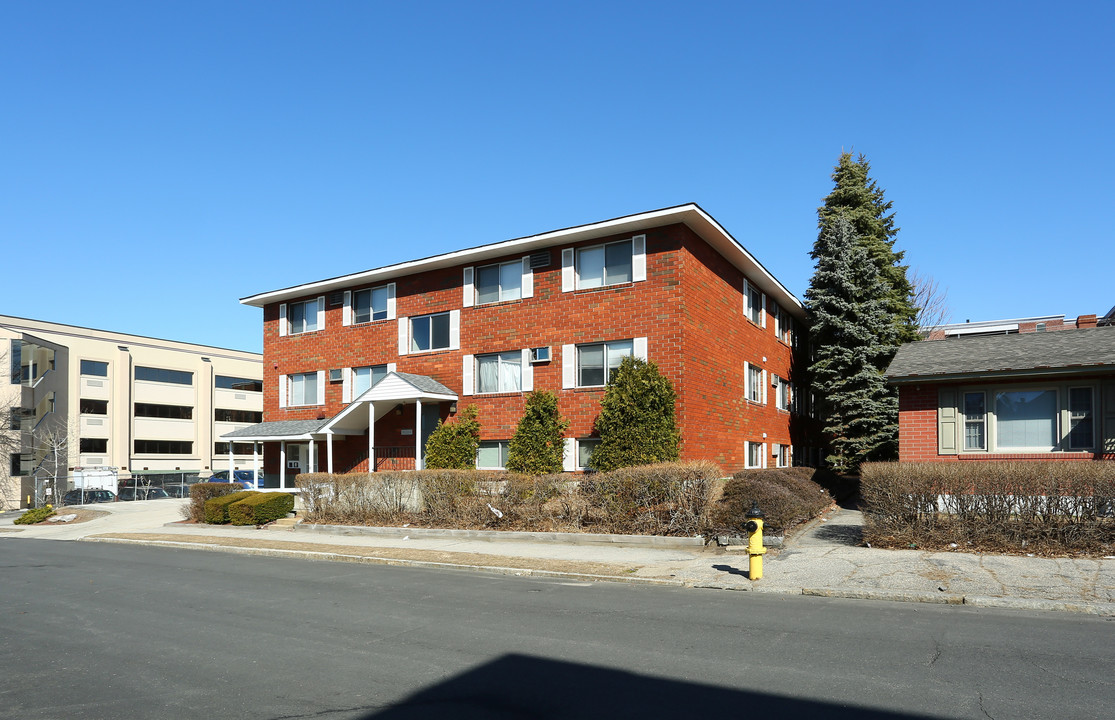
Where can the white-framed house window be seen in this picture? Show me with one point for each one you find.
(755, 455)
(302, 389)
(585, 448)
(1081, 426)
(783, 324)
(436, 331)
(755, 304)
(975, 421)
(782, 454)
(363, 378)
(1026, 419)
(782, 388)
(497, 283)
(1017, 419)
(492, 455)
(597, 361)
(499, 372)
(302, 317)
(756, 383)
(369, 305)
(595, 266)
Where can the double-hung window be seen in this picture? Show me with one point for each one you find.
(602, 265)
(302, 317)
(783, 393)
(975, 421)
(597, 362)
(492, 455)
(754, 383)
(495, 283)
(369, 305)
(363, 378)
(499, 372)
(754, 455)
(429, 332)
(303, 389)
(585, 448)
(1081, 436)
(753, 298)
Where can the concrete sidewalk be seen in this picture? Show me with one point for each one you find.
(827, 558)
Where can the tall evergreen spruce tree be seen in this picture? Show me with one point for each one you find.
(853, 338)
(857, 197)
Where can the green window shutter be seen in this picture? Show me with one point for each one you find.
(1108, 408)
(946, 422)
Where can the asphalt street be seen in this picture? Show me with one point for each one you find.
(107, 631)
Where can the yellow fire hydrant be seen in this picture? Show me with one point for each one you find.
(755, 549)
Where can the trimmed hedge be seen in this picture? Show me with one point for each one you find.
(787, 496)
(261, 508)
(1035, 507)
(200, 493)
(664, 499)
(216, 509)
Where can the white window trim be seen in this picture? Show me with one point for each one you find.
(577, 453)
(405, 324)
(284, 321)
(286, 386)
(468, 289)
(526, 290)
(991, 422)
(348, 317)
(490, 467)
(524, 367)
(569, 455)
(570, 376)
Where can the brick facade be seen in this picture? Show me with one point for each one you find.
(690, 309)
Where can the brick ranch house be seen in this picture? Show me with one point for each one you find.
(1018, 395)
(364, 365)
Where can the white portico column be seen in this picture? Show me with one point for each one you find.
(230, 467)
(255, 464)
(417, 434)
(310, 460)
(282, 464)
(371, 437)
(329, 450)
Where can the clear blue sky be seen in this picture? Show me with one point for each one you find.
(160, 160)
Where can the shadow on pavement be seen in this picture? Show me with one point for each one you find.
(732, 571)
(519, 686)
(850, 535)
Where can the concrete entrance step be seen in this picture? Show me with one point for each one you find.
(286, 523)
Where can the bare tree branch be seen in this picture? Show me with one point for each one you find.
(930, 300)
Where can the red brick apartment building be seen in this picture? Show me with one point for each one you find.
(1029, 389)
(364, 365)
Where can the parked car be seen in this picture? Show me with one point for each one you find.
(246, 478)
(132, 493)
(86, 497)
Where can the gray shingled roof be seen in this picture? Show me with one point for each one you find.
(1023, 353)
(425, 383)
(278, 428)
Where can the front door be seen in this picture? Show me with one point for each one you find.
(431, 413)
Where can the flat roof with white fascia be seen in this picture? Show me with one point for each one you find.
(690, 214)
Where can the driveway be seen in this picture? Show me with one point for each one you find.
(134, 516)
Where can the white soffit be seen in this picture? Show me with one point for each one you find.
(691, 214)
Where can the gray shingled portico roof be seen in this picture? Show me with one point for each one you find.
(1044, 353)
(276, 430)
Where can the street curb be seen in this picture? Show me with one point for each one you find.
(652, 541)
(371, 560)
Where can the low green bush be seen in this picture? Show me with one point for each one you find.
(1049, 507)
(787, 496)
(216, 509)
(261, 508)
(35, 515)
(454, 444)
(200, 493)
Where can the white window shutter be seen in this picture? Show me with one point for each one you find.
(320, 312)
(469, 290)
(390, 301)
(569, 366)
(404, 338)
(528, 372)
(346, 385)
(391, 367)
(568, 275)
(763, 314)
(639, 258)
(466, 375)
(746, 299)
(747, 380)
(282, 319)
(321, 387)
(454, 329)
(569, 457)
(764, 383)
(346, 312)
(639, 347)
(528, 278)
(282, 391)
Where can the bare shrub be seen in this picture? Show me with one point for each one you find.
(660, 499)
(1049, 507)
(786, 497)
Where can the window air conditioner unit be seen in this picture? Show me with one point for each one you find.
(335, 375)
(774, 381)
(540, 355)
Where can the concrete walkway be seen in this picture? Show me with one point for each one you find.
(827, 558)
